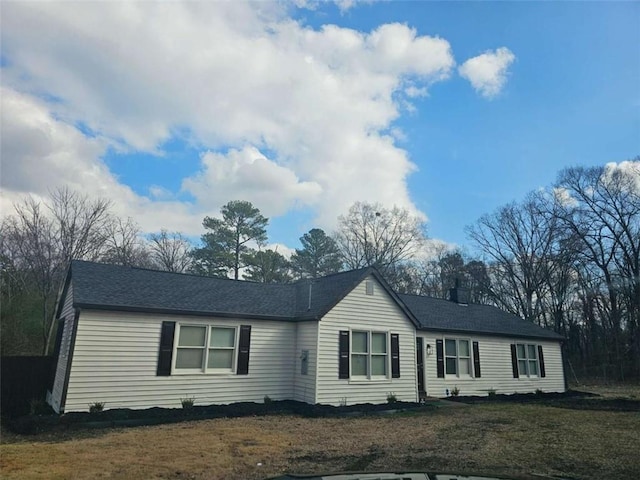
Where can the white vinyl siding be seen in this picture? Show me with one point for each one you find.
(68, 313)
(307, 340)
(496, 368)
(116, 357)
(359, 312)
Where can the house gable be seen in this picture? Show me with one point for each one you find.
(366, 310)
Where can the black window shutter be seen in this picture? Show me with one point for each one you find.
(243, 353)
(166, 349)
(514, 361)
(395, 355)
(343, 369)
(476, 360)
(541, 358)
(440, 358)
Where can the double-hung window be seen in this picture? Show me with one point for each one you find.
(204, 348)
(369, 354)
(527, 359)
(457, 356)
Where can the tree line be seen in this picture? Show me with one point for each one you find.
(566, 257)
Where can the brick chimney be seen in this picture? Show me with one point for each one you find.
(460, 295)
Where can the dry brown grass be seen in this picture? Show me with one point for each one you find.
(614, 390)
(500, 439)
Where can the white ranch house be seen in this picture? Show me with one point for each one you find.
(137, 338)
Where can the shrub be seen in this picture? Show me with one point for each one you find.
(539, 392)
(491, 392)
(267, 399)
(187, 402)
(37, 406)
(455, 391)
(96, 407)
(391, 397)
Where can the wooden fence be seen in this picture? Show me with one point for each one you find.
(24, 382)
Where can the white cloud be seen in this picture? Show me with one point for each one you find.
(36, 148)
(249, 175)
(434, 249)
(40, 153)
(563, 197)
(627, 173)
(282, 249)
(286, 115)
(488, 72)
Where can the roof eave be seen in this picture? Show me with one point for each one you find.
(62, 292)
(178, 311)
(558, 338)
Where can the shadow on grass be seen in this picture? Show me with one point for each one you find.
(571, 399)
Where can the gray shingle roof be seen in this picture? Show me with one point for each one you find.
(439, 314)
(99, 285)
(114, 287)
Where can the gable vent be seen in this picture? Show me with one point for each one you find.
(369, 287)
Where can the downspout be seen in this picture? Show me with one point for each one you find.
(563, 348)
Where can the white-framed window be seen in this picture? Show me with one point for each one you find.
(205, 349)
(527, 354)
(369, 354)
(457, 357)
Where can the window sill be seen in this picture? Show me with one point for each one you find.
(202, 374)
(368, 381)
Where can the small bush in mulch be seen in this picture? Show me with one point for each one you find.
(572, 399)
(120, 417)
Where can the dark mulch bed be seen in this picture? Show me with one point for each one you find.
(121, 417)
(572, 399)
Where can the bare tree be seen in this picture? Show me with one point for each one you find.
(124, 244)
(44, 237)
(170, 251)
(15, 288)
(517, 239)
(81, 224)
(371, 235)
(600, 210)
(33, 237)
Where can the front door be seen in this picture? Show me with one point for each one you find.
(422, 393)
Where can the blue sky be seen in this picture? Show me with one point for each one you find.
(450, 109)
